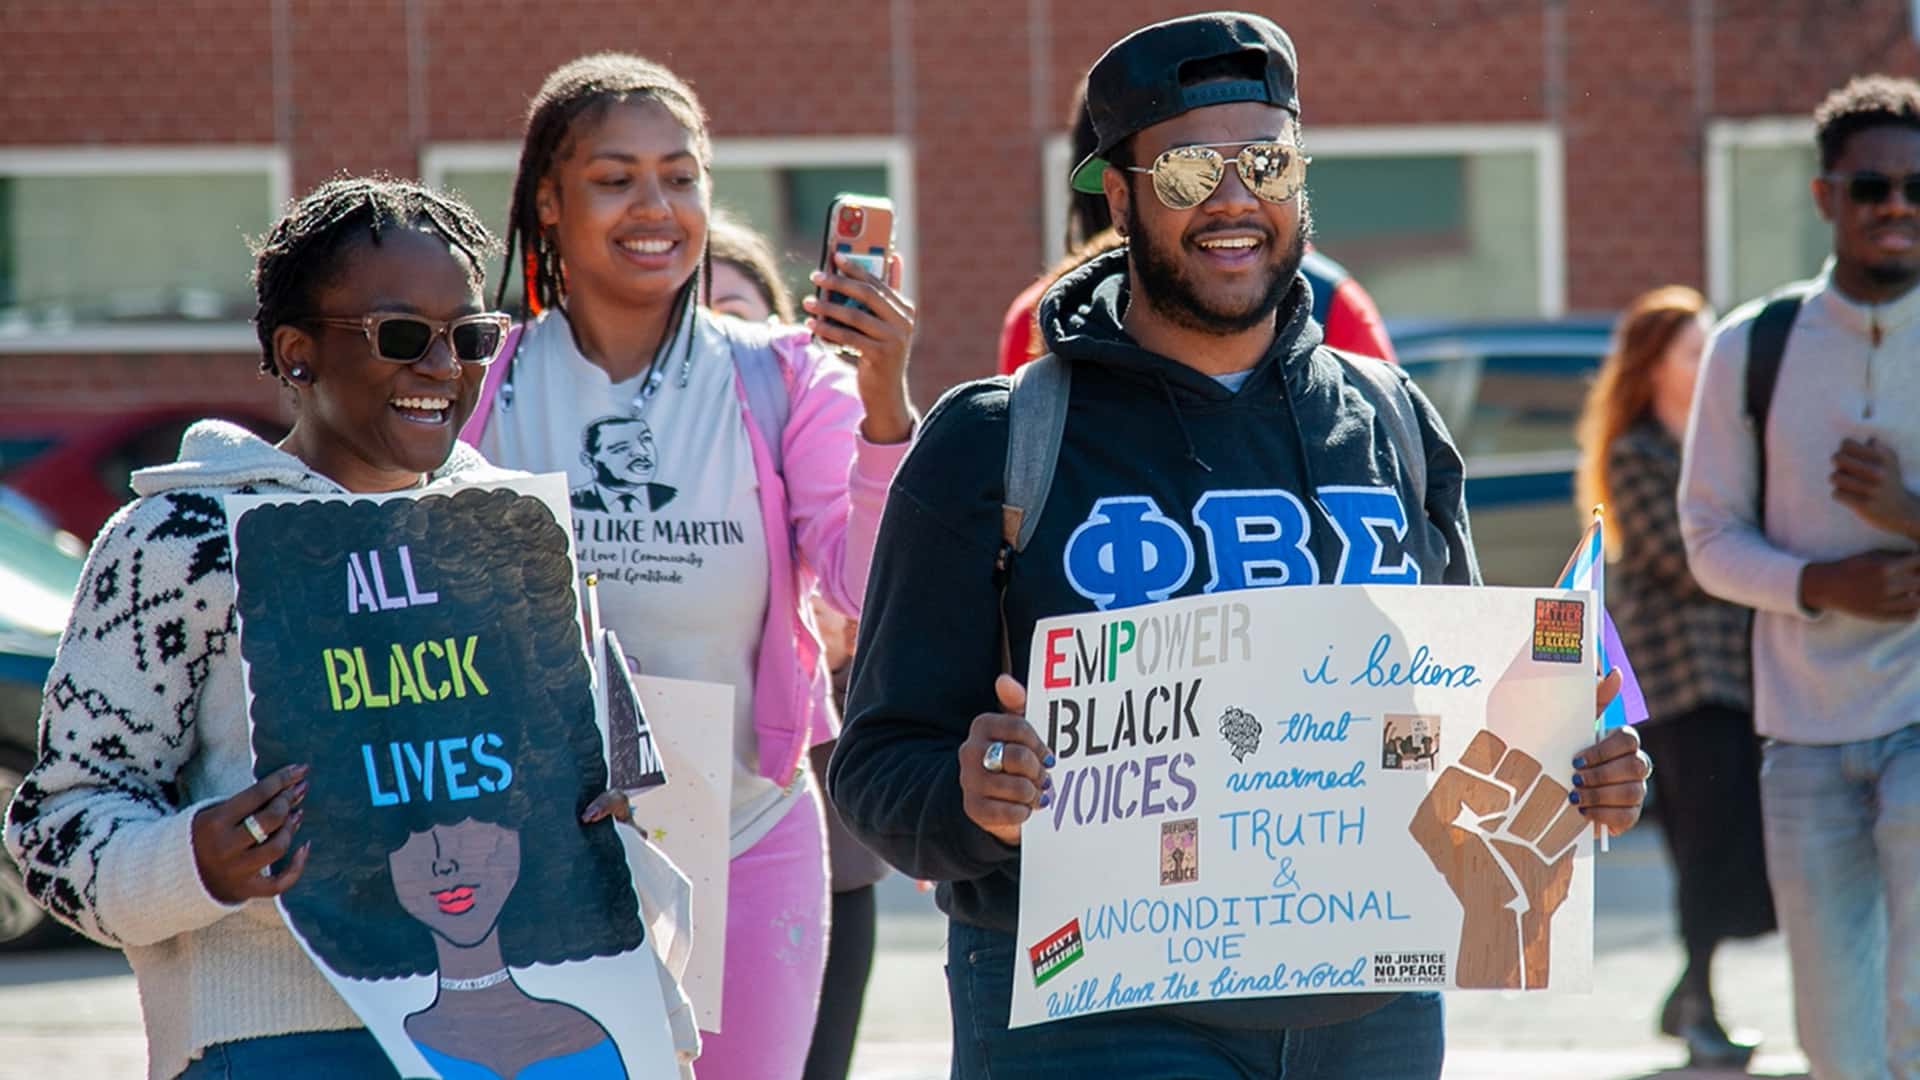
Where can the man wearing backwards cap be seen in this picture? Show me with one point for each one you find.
(1213, 443)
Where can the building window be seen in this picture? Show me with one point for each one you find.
(1444, 221)
(1762, 228)
(1449, 221)
(780, 186)
(139, 249)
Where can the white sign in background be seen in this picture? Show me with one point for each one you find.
(687, 819)
(1308, 790)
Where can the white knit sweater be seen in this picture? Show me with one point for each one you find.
(144, 724)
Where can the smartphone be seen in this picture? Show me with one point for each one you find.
(860, 227)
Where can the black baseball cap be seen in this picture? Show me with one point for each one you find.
(1137, 83)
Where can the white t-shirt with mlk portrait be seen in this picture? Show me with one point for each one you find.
(666, 510)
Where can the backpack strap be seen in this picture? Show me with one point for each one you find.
(1766, 348)
(1036, 420)
(762, 378)
(476, 425)
(1383, 388)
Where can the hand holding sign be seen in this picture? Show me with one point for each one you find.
(1000, 801)
(1612, 773)
(228, 856)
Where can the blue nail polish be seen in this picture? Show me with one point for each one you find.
(1048, 760)
(1573, 797)
(1046, 798)
(1046, 783)
(1580, 763)
(1579, 781)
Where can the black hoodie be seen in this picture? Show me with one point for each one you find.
(1155, 457)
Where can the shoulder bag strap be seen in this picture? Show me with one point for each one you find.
(1766, 348)
(1036, 420)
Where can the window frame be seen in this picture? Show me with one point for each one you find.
(271, 160)
(892, 153)
(1724, 136)
(1544, 141)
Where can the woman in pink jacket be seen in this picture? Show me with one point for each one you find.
(711, 462)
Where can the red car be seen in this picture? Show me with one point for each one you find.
(77, 466)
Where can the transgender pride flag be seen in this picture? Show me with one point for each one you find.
(1587, 569)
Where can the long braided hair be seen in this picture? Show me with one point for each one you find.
(586, 87)
(302, 251)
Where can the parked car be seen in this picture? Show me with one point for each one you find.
(77, 466)
(1510, 393)
(39, 569)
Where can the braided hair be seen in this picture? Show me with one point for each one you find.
(1868, 101)
(302, 251)
(585, 87)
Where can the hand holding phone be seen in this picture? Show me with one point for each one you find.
(858, 311)
(859, 230)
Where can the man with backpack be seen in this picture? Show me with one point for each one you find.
(1187, 433)
(1792, 502)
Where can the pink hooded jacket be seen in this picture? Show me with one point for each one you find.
(821, 511)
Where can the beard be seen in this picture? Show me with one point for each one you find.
(1892, 275)
(1174, 296)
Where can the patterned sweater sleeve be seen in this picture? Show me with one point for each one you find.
(99, 827)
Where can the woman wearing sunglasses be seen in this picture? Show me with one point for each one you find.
(142, 824)
(716, 467)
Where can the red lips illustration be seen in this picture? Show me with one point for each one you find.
(455, 901)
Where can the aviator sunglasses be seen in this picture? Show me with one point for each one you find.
(405, 339)
(1185, 176)
(1875, 188)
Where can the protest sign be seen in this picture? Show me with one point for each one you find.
(1302, 791)
(422, 654)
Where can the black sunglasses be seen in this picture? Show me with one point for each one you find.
(405, 339)
(1874, 188)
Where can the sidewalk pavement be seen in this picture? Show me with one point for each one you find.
(74, 1013)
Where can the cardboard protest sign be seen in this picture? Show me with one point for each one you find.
(422, 654)
(688, 820)
(1302, 791)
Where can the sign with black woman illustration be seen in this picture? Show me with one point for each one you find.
(422, 654)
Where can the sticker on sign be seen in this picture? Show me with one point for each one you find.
(1055, 952)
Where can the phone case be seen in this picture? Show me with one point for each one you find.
(860, 226)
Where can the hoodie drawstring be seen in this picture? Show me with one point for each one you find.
(1193, 454)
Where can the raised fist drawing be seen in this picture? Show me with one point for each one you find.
(1503, 835)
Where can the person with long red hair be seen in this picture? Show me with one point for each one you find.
(1689, 650)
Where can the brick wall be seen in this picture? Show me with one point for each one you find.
(976, 84)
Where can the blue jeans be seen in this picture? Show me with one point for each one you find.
(1843, 854)
(314, 1054)
(1402, 1041)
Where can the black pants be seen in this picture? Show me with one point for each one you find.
(1707, 778)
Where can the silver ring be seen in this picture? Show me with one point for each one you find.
(995, 761)
(252, 825)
